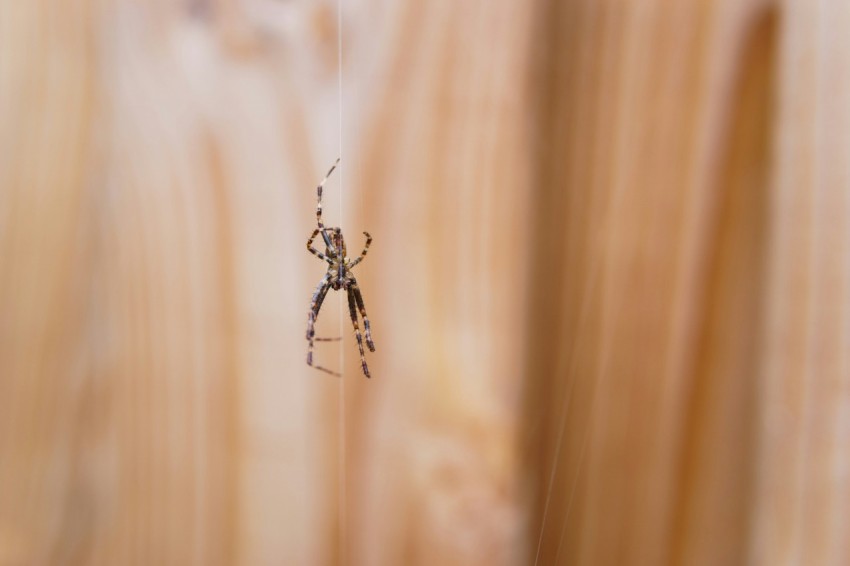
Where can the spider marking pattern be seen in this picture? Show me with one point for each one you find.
(338, 277)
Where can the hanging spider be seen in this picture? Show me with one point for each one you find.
(338, 277)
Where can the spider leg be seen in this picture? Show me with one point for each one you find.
(364, 252)
(313, 250)
(319, 197)
(315, 306)
(352, 310)
(359, 298)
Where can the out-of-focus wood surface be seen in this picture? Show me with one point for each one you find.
(608, 287)
(659, 120)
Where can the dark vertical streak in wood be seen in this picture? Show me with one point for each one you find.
(715, 493)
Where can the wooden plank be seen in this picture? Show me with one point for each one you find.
(608, 284)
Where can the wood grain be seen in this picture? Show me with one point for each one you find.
(608, 287)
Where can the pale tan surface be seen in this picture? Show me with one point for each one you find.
(608, 287)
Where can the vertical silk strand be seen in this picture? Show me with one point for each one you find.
(342, 519)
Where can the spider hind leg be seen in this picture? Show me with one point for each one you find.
(315, 307)
(358, 297)
(352, 310)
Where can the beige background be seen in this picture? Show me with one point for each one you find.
(609, 285)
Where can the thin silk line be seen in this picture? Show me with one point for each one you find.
(597, 386)
(575, 482)
(342, 454)
(585, 312)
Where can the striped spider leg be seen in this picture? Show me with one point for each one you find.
(315, 306)
(338, 276)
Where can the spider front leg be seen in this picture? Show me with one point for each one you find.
(315, 307)
(319, 194)
(364, 252)
(352, 310)
(313, 250)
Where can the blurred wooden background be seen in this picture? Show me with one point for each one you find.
(609, 283)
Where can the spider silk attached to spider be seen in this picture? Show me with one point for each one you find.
(338, 276)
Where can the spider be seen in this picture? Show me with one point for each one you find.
(338, 277)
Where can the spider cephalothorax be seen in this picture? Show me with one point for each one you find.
(338, 277)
